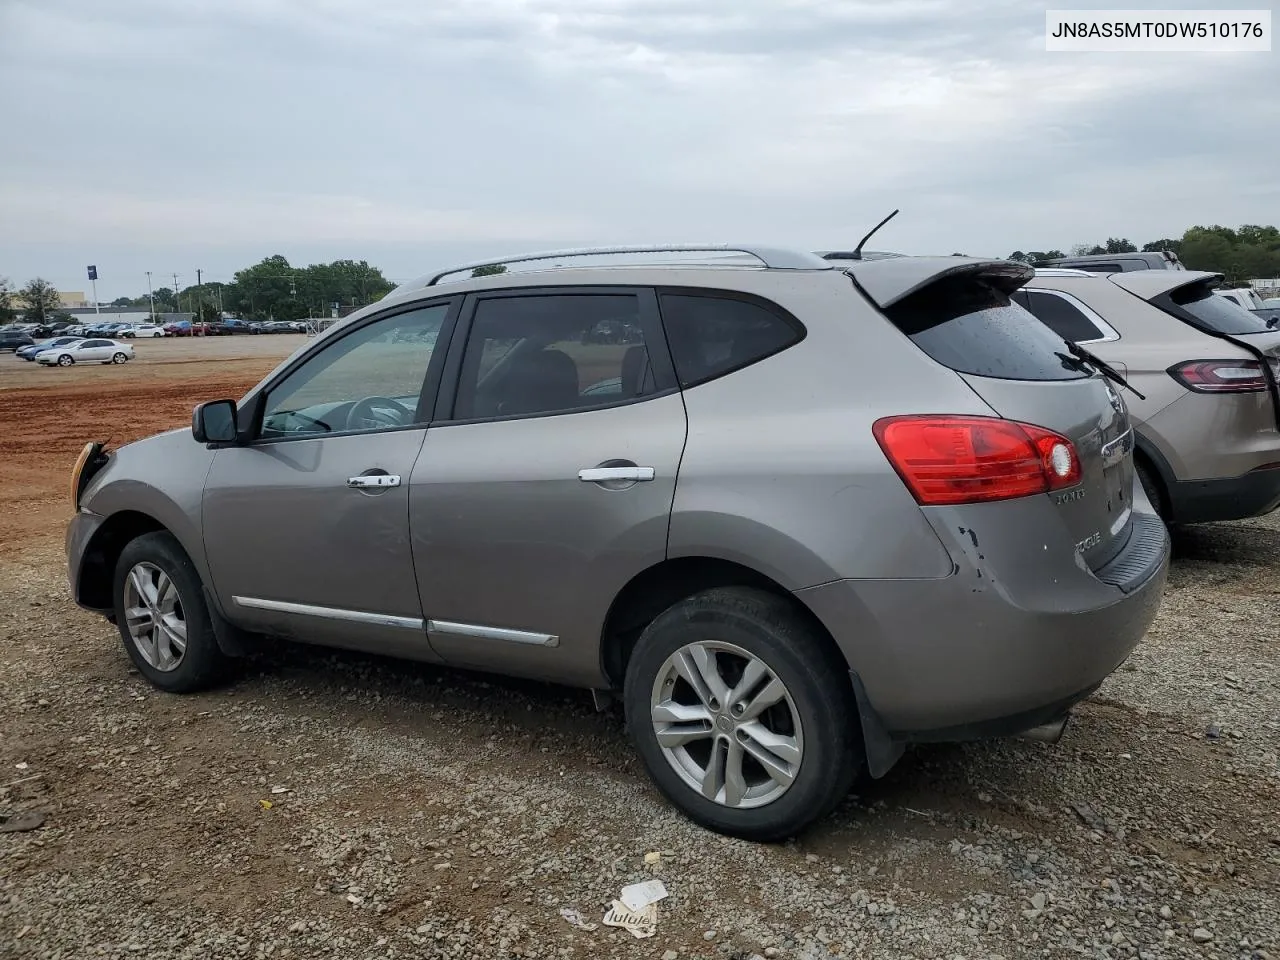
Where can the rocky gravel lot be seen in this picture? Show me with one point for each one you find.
(345, 806)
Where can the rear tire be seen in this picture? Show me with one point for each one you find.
(159, 604)
(808, 737)
(1152, 487)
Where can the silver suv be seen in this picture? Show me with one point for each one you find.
(1208, 447)
(797, 515)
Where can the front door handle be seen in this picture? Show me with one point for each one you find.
(598, 474)
(374, 480)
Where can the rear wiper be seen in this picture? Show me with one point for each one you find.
(1102, 366)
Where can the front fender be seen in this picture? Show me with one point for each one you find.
(162, 478)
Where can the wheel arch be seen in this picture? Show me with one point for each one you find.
(98, 563)
(669, 581)
(1147, 455)
(656, 588)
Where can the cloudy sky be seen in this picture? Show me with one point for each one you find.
(165, 136)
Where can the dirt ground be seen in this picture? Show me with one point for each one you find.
(336, 805)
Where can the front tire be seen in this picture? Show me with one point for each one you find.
(65, 361)
(743, 714)
(120, 358)
(162, 616)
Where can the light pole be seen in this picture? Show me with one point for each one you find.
(152, 297)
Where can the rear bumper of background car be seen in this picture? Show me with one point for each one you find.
(1228, 498)
(1009, 641)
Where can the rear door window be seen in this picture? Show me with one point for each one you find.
(1062, 317)
(973, 327)
(714, 333)
(1216, 313)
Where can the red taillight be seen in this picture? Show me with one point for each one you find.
(949, 459)
(1221, 376)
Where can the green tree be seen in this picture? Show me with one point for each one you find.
(1159, 246)
(1207, 249)
(7, 312)
(1115, 245)
(165, 300)
(493, 269)
(41, 301)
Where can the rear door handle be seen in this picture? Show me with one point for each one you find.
(374, 480)
(598, 474)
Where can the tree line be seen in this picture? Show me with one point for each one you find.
(1250, 252)
(273, 289)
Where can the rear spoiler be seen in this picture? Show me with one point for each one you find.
(888, 281)
(1149, 284)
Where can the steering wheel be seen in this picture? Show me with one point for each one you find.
(371, 413)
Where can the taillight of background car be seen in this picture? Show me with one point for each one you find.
(1223, 376)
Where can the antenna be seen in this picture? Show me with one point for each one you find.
(856, 253)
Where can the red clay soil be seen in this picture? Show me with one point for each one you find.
(42, 429)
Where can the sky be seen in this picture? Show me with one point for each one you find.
(207, 134)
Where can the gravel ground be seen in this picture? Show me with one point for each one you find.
(334, 805)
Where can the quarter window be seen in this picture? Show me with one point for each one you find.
(369, 379)
(1062, 317)
(555, 353)
(711, 335)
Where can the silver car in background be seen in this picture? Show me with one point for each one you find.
(91, 350)
(796, 515)
(1208, 447)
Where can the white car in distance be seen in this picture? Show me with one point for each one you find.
(95, 350)
(142, 330)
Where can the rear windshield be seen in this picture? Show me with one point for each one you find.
(1217, 313)
(972, 327)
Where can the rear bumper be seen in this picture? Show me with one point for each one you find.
(1229, 498)
(1010, 640)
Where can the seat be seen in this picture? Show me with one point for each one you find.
(543, 381)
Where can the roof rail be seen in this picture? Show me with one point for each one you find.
(1064, 272)
(773, 258)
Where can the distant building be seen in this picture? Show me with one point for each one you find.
(68, 300)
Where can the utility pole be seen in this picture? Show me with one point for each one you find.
(199, 295)
(177, 300)
(152, 297)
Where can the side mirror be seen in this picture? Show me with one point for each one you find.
(214, 422)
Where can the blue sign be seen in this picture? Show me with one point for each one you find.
(93, 272)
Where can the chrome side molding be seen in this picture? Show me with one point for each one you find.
(481, 632)
(330, 613)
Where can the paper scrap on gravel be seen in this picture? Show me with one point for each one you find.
(575, 918)
(637, 896)
(641, 924)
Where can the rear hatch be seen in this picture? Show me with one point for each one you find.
(958, 311)
(1189, 297)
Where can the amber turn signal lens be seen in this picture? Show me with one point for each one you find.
(75, 474)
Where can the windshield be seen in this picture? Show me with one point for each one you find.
(1215, 313)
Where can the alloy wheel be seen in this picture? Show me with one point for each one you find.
(154, 616)
(726, 724)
